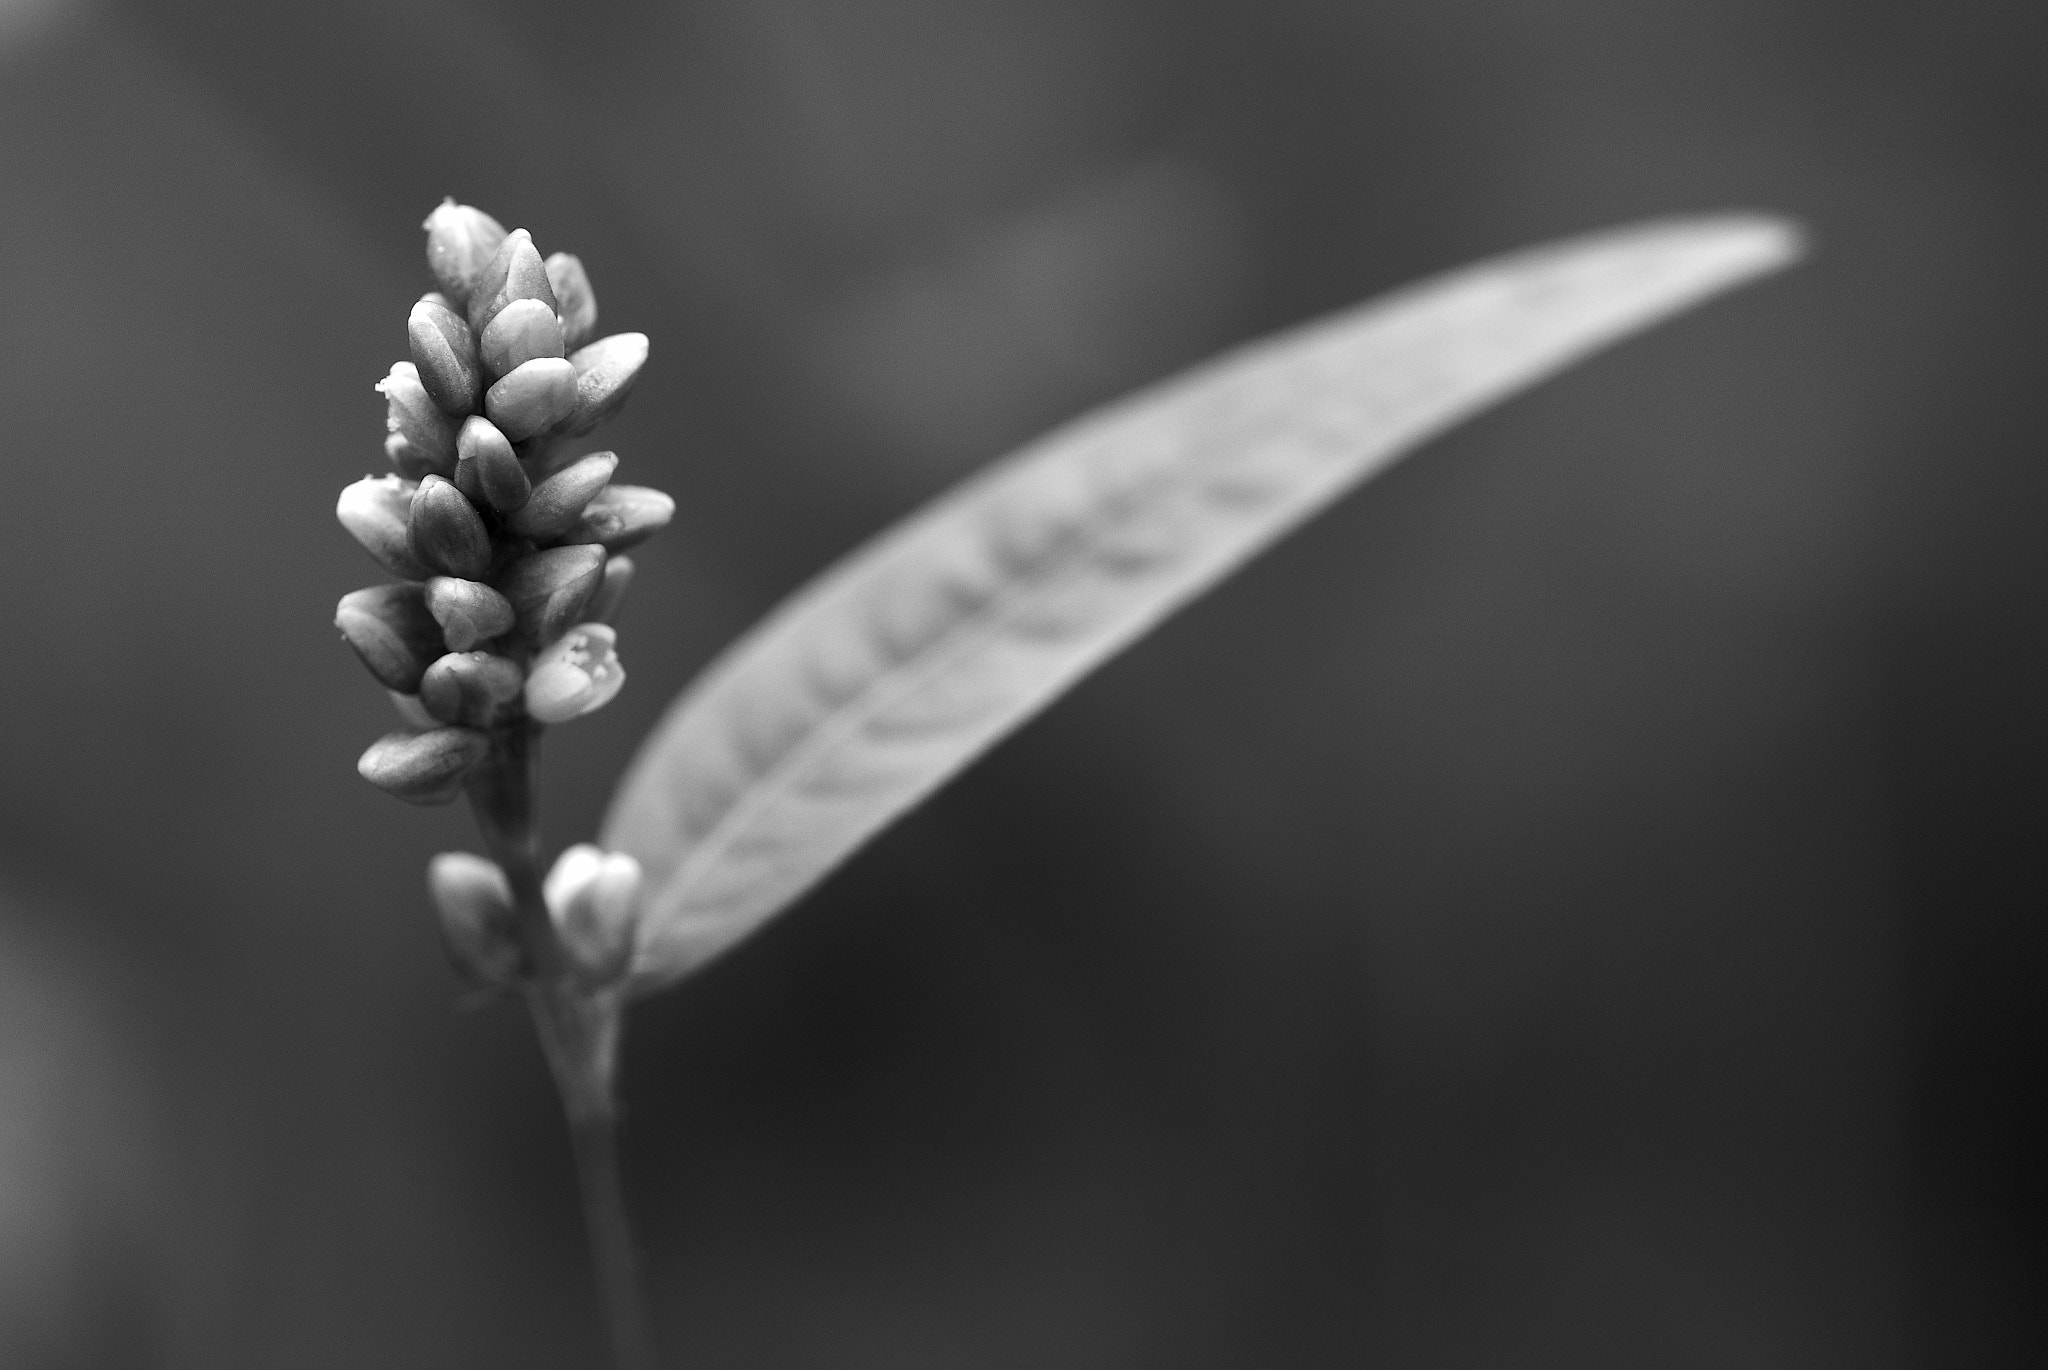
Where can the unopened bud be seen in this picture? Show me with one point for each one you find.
(444, 354)
(470, 687)
(423, 768)
(391, 630)
(468, 611)
(593, 899)
(575, 301)
(411, 412)
(515, 272)
(465, 480)
(523, 330)
(445, 533)
(557, 501)
(550, 588)
(545, 455)
(489, 471)
(406, 459)
(578, 674)
(479, 922)
(605, 372)
(375, 510)
(411, 712)
(621, 516)
(611, 592)
(461, 241)
(533, 397)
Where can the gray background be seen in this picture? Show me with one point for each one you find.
(1577, 904)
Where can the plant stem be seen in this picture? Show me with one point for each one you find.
(501, 797)
(611, 1240)
(579, 1032)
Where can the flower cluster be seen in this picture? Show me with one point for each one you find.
(503, 537)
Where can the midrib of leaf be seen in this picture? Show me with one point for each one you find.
(903, 680)
(1155, 459)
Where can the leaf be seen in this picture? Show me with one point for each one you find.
(871, 686)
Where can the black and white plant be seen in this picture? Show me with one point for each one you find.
(891, 670)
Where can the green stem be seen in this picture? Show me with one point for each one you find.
(579, 1032)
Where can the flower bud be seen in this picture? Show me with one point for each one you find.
(468, 611)
(411, 712)
(423, 768)
(470, 687)
(545, 455)
(516, 272)
(465, 479)
(580, 673)
(406, 459)
(620, 516)
(461, 241)
(575, 301)
(444, 354)
(611, 592)
(523, 330)
(593, 899)
(605, 372)
(488, 463)
(533, 397)
(412, 412)
(549, 589)
(445, 533)
(479, 922)
(391, 630)
(375, 510)
(557, 501)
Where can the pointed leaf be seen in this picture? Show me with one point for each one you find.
(891, 671)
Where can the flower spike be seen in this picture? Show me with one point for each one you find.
(499, 527)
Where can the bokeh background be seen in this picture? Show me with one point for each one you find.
(1578, 904)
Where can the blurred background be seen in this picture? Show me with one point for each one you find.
(1578, 904)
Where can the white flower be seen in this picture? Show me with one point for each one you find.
(593, 898)
(580, 672)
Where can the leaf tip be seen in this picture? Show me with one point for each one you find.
(1750, 242)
